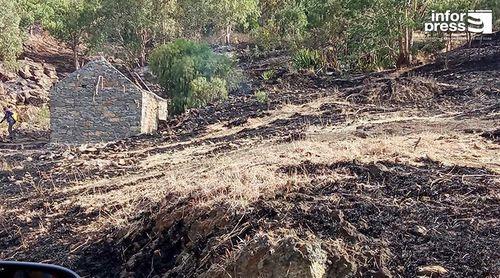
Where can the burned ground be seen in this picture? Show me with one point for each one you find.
(410, 215)
(371, 175)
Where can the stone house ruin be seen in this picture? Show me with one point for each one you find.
(98, 104)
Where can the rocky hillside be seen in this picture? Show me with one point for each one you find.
(391, 174)
(30, 85)
(43, 62)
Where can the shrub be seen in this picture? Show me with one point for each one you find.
(268, 74)
(204, 91)
(262, 97)
(308, 59)
(11, 37)
(430, 46)
(191, 73)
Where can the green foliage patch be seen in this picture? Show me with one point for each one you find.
(308, 59)
(11, 37)
(191, 73)
(269, 74)
(262, 96)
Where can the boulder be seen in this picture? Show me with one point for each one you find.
(50, 71)
(285, 257)
(35, 97)
(24, 72)
(6, 75)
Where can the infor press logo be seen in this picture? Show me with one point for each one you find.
(475, 21)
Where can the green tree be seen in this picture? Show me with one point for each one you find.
(11, 42)
(284, 24)
(227, 13)
(73, 22)
(191, 73)
(35, 11)
(138, 24)
(221, 15)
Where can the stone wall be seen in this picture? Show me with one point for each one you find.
(154, 108)
(95, 104)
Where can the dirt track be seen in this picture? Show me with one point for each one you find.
(385, 172)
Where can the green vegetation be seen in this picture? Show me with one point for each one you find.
(269, 74)
(11, 36)
(262, 97)
(343, 35)
(308, 59)
(72, 21)
(133, 25)
(192, 73)
(350, 35)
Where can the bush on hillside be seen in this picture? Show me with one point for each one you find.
(11, 37)
(191, 73)
(308, 59)
(262, 96)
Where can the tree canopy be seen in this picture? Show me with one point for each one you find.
(11, 35)
(350, 34)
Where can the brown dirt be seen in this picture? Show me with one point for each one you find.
(43, 48)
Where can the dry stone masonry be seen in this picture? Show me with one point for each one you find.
(98, 104)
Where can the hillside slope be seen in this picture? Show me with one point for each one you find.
(385, 174)
(43, 62)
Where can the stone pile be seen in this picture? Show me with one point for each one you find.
(30, 85)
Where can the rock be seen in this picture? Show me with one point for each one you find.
(87, 149)
(20, 98)
(67, 153)
(431, 270)
(24, 72)
(22, 82)
(2, 89)
(33, 85)
(288, 257)
(44, 82)
(383, 272)
(50, 71)
(38, 74)
(361, 134)
(36, 97)
(420, 230)
(6, 75)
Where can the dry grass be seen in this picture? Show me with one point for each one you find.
(414, 90)
(242, 176)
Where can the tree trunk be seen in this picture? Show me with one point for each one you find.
(75, 57)
(142, 58)
(142, 51)
(403, 55)
(448, 49)
(405, 40)
(228, 34)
